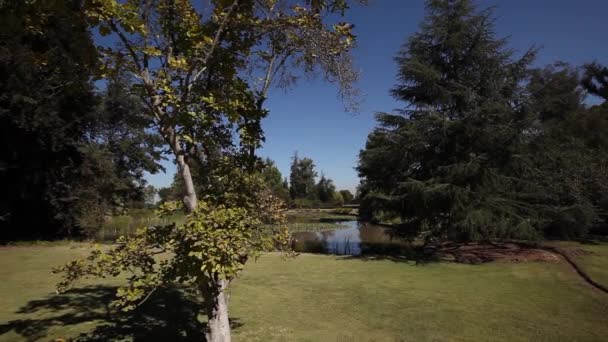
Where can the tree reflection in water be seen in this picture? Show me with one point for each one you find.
(360, 238)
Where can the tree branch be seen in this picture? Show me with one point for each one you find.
(127, 44)
(147, 296)
(216, 39)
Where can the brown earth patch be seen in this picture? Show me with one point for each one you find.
(575, 252)
(476, 253)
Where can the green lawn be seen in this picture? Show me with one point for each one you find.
(593, 260)
(317, 298)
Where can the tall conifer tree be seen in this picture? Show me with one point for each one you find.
(442, 162)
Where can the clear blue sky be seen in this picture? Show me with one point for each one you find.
(310, 119)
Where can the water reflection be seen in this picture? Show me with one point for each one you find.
(359, 238)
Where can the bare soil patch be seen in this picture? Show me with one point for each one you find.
(477, 253)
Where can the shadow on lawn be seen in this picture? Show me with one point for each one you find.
(393, 252)
(169, 315)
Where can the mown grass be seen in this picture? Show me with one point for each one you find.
(591, 256)
(316, 298)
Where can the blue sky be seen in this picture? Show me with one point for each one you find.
(310, 119)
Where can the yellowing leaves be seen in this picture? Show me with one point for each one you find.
(152, 51)
(208, 39)
(178, 63)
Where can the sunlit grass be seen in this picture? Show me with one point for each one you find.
(317, 298)
(591, 257)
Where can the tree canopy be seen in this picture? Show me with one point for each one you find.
(68, 152)
(202, 76)
(442, 162)
(486, 147)
(302, 178)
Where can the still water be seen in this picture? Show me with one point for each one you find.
(359, 238)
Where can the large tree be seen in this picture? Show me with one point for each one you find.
(595, 80)
(117, 148)
(203, 74)
(45, 100)
(69, 153)
(442, 163)
(274, 180)
(347, 196)
(566, 162)
(325, 189)
(302, 178)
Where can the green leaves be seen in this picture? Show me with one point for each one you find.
(214, 243)
(443, 162)
(167, 209)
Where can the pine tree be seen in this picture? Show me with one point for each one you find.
(595, 80)
(442, 163)
(325, 189)
(302, 178)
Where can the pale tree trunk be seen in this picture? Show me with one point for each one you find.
(190, 200)
(213, 291)
(216, 303)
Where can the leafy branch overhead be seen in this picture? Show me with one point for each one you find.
(214, 243)
(203, 72)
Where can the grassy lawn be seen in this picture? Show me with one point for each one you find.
(593, 259)
(316, 298)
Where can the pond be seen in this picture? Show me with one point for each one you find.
(359, 238)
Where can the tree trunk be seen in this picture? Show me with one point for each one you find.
(216, 302)
(190, 200)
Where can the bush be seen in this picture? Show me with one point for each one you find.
(571, 223)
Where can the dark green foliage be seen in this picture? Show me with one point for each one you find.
(46, 99)
(117, 149)
(486, 148)
(566, 159)
(595, 80)
(274, 180)
(347, 196)
(555, 92)
(302, 178)
(442, 162)
(325, 189)
(303, 190)
(67, 154)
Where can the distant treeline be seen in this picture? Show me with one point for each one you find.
(301, 190)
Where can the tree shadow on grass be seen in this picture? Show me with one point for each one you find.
(406, 253)
(596, 240)
(169, 315)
